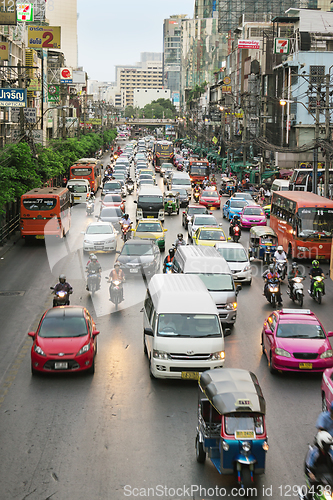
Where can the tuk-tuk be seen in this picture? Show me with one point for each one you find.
(171, 202)
(227, 185)
(231, 423)
(263, 243)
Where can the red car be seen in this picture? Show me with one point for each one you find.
(113, 200)
(65, 341)
(210, 198)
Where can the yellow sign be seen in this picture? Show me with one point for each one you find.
(3, 51)
(96, 121)
(8, 12)
(214, 140)
(227, 80)
(44, 37)
(35, 85)
(226, 89)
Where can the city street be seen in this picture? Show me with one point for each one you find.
(119, 433)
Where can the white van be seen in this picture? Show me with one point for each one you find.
(180, 180)
(280, 185)
(80, 189)
(182, 331)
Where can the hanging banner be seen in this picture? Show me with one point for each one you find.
(44, 37)
(16, 98)
(8, 12)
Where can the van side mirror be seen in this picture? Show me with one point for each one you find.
(148, 331)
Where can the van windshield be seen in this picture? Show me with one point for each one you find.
(150, 199)
(180, 182)
(217, 282)
(188, 325)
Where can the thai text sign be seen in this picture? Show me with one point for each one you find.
(16, 98)
(44, 37)
(249, 44)
(3, 51)
(8, 12)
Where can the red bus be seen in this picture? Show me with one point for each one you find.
(45, 211)
(87, 168)
(199, 169)
(163, 153)
(304, 223)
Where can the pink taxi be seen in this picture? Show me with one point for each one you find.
(252, 215)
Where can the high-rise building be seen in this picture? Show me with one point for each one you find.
(206, 8)
(172, 55)
(64, 13)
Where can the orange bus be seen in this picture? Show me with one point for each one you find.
(87, 168)
(304, 223)
(199, 169)
(45, 211)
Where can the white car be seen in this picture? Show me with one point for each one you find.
(100, 236)
(199, 221)
(238, 260)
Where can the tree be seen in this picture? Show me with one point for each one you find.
(161, 108)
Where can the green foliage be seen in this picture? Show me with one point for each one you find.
(20, 171)
(161, 108)
(130, 111)
(196, 92)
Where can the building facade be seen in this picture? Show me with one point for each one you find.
(172, 55)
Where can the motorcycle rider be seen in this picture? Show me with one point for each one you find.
(117, 274)
(318, 461)
(235, 221)
(205, 182)
(169, 258)
(125, 223)
(196, 191)
(293, 273)
(62, 286)
(279, 254)
(179, 241)
(94, 265)
(269, 275)
(316, 271)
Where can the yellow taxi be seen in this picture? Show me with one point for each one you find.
(151, 229)
(208, 236)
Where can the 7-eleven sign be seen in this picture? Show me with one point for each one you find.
(25, 12)
(281, 45)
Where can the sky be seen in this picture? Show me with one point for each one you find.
(115, 32)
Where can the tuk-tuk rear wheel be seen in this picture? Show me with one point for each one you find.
(199, 451)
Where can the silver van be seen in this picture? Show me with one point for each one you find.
(214, 271)
(182, 331)
(180, 180)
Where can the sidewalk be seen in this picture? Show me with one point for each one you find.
(15, 237)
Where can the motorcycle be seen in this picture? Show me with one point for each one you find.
(272, 291)
(296, 291)
(126, 232)
(318, 289)
(130, 187)
(116, 291)
(236, 233)
(168, 268)
(281, 268)
(90, 207)
(61, 297)
(196, 196)
(93, 282)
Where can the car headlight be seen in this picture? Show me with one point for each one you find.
(247, 268)
(217, 355)
(147, 265)
(246, 446)
(282, 352)
(160, 354)
(231, 306)
(84, 349)
(111, 240)
(327, 354)
(86, 241)
(303, 249)
(39, 351)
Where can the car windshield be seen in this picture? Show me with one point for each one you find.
(62, 327)
(245, 196)
(112, 185)
(146, 181)
(182, 192)
(188, 325)
(210, 194)
(137, 250)
(233, 254)
(217, 282)
(181, 182)
(300, 331)
(196, 210)
(238, 203)
(99, 229)
(112, 198)
(253, 211)
(151, 227)
(205, 221)
(111, 212)
(206, 234)
(243, 422)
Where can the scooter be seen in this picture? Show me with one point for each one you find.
(318, 289)
(281, 268)
(126, 232)
(93, 282)
(168, 268)
(272, 292)
(116, 291)
(236, 233)
(296, 291)
(196, 196)
(130, 187)
(90, 207)
(61, 297)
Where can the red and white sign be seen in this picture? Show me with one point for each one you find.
(66, 75)
(249, 44)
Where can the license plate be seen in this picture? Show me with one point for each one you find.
(134, 270)
(305, 366)
(150, 216)
(40, 237)
(76, 197)
(60, 366)
(244, 435)
(190, 375)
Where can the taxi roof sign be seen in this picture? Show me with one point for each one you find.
(296, 311)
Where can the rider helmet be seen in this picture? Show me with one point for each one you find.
(93, 258)
(62, 278)
(117, 264)
(180, 236)
(294, 265)
(126, 216)
(315, 263)
(271, 268)
(171, 252)
(280, 248)
(324, 440)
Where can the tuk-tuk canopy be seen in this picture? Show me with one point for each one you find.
(259, 231)
(170, 194)
(232, 389)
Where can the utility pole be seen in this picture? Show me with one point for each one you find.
(315, 151)
(327, 134)
(20, 84)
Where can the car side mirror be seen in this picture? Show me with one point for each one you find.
(32, 334)
(118, 251)
(135, 201)
(229, 238)
(165, 230)
(95, 332)
(148, 331)
(238, 288)
(268, 332)
(329, 334)
(251, 259)
(51, 287)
